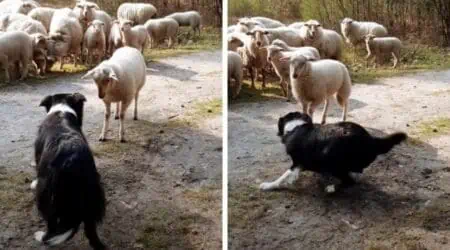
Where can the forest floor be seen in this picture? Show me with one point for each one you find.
(163, 186)
(401, 201)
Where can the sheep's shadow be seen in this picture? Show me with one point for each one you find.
(170, 71)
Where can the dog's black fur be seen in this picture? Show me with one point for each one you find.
(69, 191)
(333, 149)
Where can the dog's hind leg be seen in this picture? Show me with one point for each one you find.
(291, 175)
(90, 230)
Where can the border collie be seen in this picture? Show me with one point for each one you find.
(68, 188)
(335, 150)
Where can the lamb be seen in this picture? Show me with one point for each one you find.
(234, 73)
(274, 55)
(328, 42)
(316, 81)
(296, 25)
(43, 15)
(159, 29)
(14, 6)
(354, 31)
(291, 36)
(138, 13)
(254, 55)
(119, 79)
(378, 46)
(188, 18)
(235, 40)
(106, 19)
(65, 35)
(115, 37)
(268, 23)
(16, 46)
(95, 40)
(135, 37)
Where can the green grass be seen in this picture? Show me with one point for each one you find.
(270, 92)
(414, 59)
(209, 40)
(429, 129)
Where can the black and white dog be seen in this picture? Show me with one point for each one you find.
(68, 188)
(332, 150)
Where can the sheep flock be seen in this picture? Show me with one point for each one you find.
(306, 57)
(33, 38)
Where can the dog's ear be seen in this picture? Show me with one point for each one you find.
(78, 97)
(47, 102)
(280, 126)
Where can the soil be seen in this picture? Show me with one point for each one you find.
(402, 201)
(163, 186)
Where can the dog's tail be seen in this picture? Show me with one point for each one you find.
(67, 196)
(385, 144)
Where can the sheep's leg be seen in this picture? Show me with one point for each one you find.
(283, 87)
(290, 175)
(324, 112)
(395, 60)
(61, 62)
(105, 122)
(250, 70)
(4, 62)
(24, 72)
(123, 109)
(304, 107)
(116, 116)
(136, 106)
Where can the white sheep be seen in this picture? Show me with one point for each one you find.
(354, 31)
(8, 19)
(17, 6)
(40, 52)
(85, 12)
(235, 40)
(43, 15)
(268, 22)
(314, 82)
(234, 73)
(246, 24)
(380, 46)
(16, 47)
(135, 37)
(115, 37)
(188, 18)
(106, 19)
(289, 35)
(296, 25)
(328, 42)
(65, 35)
(231, 29)
(278, 56)
(138, 13)
(28, 25)
(95, 41)
(161, 28)
(254, 55)
(119, 80)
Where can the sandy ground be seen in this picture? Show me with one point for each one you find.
(401, 202)
(163, 186)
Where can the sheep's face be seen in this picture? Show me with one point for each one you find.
(346, 25)
(298, 66)
(272, 51)
(234, 43)
(39, 42)
(312, 29)
(85, 12)
(126, 25)
(258, 37)
(104, 78)
(25, 7)
(98, 26)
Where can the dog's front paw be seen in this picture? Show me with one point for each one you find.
(330, 189)
(33, 184)
(39, 235)
(266, 186)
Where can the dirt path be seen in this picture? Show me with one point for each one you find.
(402, 201)
(163, 186)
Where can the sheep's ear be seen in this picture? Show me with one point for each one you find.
(78, 97)
(88, 74)
(47, 102)
(113, 76)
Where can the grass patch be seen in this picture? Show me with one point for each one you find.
(415, 58)
(206, 198)
(168, 228)
(248, 94)
(209, 40)
(429, 129)
(14, 190)
(247, 204)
